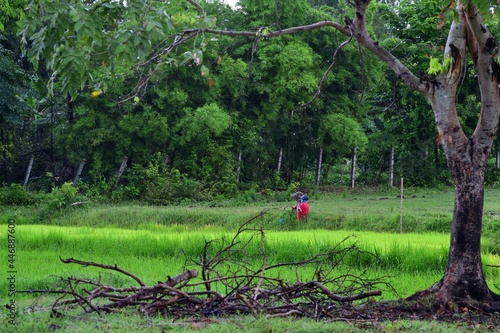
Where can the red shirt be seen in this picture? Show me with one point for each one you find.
(302, 210)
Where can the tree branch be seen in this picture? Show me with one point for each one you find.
(198, 7)
(358, 24)
(114, 268)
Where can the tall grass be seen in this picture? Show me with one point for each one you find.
(423, 211)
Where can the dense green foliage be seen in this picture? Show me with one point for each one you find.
(214, 116)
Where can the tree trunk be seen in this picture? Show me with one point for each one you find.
(238, 169)
(79, 172)
(120, 172)
(353, 166)
(318, 166)
(280, 158)
(464, 277)
(498, 160)
(28, 171)
(391, 167)
(4, 156)
(463, 280)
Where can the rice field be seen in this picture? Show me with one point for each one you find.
(156, 242)
(156, 252)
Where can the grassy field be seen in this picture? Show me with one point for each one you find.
(153, 242)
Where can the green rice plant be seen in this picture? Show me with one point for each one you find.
(151, 238)
(153, 256)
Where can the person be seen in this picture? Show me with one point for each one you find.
(302, 207)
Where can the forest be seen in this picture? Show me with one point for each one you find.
(224, 115)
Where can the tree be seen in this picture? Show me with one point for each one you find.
(340, 134)
(66, 36)
(466, 156)
(16, 95)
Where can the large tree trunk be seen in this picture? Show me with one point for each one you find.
(463, 280)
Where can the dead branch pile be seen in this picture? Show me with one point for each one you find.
(228, 284)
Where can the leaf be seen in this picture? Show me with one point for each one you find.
(187, 57)
(448, 61)
(204, 70)
(434, 66)
(136, 99)
(96, 93)
(210, 82)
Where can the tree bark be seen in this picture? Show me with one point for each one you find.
(238, 168)
(28, 171)
(464, 278)
(79, 172)
(120, 172)
(280, 158)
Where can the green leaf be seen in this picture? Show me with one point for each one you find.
(204, 70)
(448, 61)
(434, 66)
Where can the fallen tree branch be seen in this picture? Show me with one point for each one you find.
(114, 268)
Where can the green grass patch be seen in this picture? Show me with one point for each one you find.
(129, 321)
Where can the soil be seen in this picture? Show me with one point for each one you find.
(373, 312)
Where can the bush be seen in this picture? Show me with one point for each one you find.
(62, 197)
(164, 187)
(15, 194)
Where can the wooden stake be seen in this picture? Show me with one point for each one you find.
(401, 209)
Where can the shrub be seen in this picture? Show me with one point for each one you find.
(62, 197)
(15, 194)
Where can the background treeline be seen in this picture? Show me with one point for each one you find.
(234, 126)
